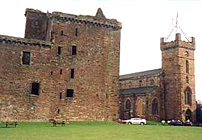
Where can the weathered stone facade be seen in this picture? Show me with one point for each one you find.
(172, 94)
(141, 89)
(67, 66)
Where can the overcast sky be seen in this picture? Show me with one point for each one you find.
(143, 22)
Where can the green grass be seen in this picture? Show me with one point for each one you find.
(99, 131)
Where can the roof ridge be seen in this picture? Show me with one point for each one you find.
(140, 74)
(18, 40)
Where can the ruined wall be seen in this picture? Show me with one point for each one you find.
(38, 25)
(96, 66)
(16, 100)
(83, 57)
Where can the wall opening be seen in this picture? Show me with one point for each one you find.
(187, 79)
(128, 108)
(70, 92)
(140, 83)
(73, 50)
(62, 32)
(60, 96)
(76, 32)
(58, 111)
(35, 88)
(72, 73)
(187, 66)
(59, 50)
(26, 58)
(188, 114)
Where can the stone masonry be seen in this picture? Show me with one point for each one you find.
(67, 66)
(166, 93)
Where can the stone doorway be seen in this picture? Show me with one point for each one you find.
(188, 114)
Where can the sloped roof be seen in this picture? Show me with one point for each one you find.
(141, 74)
(137, 90)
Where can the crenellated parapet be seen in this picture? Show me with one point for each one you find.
(23, 41)
(88, 20)
(97, 21)
(177, 43)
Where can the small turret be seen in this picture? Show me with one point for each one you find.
(177, 43)
(99, 14)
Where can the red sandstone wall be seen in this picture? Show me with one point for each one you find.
(96, 66)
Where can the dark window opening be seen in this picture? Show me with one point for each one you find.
(151, 82)
(51, 72)
(130, 84)
(147, 104)
(62, 33)
(26, 58)
(73, 50)
(52, 36)
(140, 83)
(120, 85)
(187, 66)
(187, 79)
(35, 88)
(70, 92)
(59, 50)
(76, 32)
(58, 111)
(72, 73)
(60, 95)
(60, 71)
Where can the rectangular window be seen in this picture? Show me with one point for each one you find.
(73, 50)
(35, 88)
(72, 73)
(26, 58)
(60, 95)
(59, 50)
(62, 33)
(187, 66)
(70, 92)
(76, 32)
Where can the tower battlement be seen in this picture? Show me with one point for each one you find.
(97, 20)
(39, 25)
(23, 41)
(177, 43)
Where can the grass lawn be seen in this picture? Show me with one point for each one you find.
(98, 131)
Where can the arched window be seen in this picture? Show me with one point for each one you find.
(139, 106)
(128, 105)
(130, 84)
(187, 66)
(187, 96)
(152, 82)
(186, 53)
(140, 83)
(120, 85)
(155, 107)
